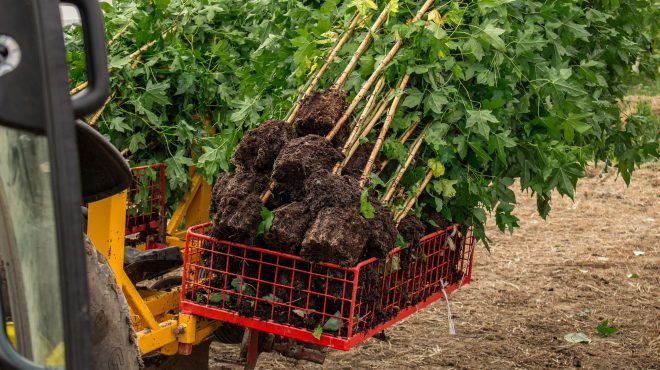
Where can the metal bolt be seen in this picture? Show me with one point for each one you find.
(179, 330)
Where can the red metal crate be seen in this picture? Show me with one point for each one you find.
(285, 295)
(145, 204)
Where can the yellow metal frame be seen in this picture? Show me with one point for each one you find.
(193, 210)
(153, 315)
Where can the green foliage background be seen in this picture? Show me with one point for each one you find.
(513, 89)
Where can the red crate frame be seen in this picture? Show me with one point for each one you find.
(153, 219)
(422, 280)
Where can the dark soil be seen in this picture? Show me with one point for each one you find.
(236, 184)
(382, 232)
(299, 159)
(238, 219)
(260, 146)
(236, 206)
(324, 189)
(319, 112)
(411, 229)
(337, 235)
(288, 229)
(359, 160)
(433, 220)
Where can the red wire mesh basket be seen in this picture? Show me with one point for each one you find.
(320, 303)
(145, 204)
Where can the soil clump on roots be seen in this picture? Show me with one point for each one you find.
(260, 146)
(236, 206)
(382, 231)
(336, 236)
(299, 159)
(324, 189)
(288, 229)
(319, 112)
(411, 229)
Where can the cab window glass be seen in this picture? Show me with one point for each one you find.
(28, 248)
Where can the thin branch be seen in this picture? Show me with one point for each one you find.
(383, 130)
(413, 199)
(402, 168)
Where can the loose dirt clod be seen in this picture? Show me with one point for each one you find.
(288, 229)
(382, 232)
(260, 146)
(299, 159)
(337, 236)
(324, 189)
(319, 112)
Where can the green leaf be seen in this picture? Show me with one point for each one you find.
(318, 331)
(155, 94)
(436, 134)
(565, 178)
(400, 241)
(161, 4)
(332, 324)
(436, 167)
(366, 209)
(435, 101)
(266, 221)
(118, 61)
(393, 149)
(136, 142)
(118, 124)
(391, 265)
(445, 187)
(491, 35)
(413, 98)
(270, 297)
(375, 180)
(242, 287)
(476, 147)
(500, 142)
(480, 119)
(605, 329)
(217, 297)
(363, 6)
(472, 46)
(575, 123)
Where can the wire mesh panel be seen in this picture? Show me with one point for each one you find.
(145, 208)
(319, 302)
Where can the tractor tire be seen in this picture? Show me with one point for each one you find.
(114, 343)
